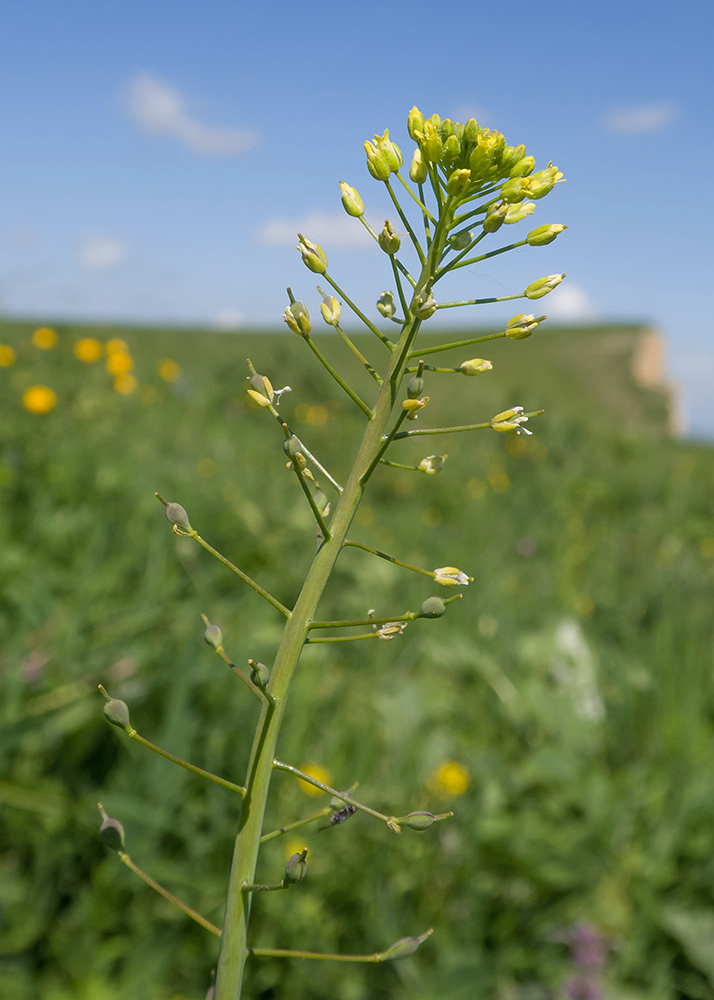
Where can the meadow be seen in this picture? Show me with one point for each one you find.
(564, 709)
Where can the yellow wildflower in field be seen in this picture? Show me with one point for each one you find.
(45, 338)
(116, 346)
(119, 363)
(125, 384)
(88, 350)
(8, 356)
(452, 778)
(315, 771)
(39, 399)
(168, 370)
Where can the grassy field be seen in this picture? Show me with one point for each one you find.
(563, 709)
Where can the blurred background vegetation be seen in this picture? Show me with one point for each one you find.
(563, 709)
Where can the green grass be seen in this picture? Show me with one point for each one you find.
(573, 681)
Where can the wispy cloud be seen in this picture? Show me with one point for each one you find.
(325, 228)
(228, 319)
(160, 109)
(648, 118)
(569, 303)
(99, 253)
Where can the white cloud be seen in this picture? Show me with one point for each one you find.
(648, 118)
(159, 109)
(569, 303)
(99, 253)
(228, 319)
(325, 228)
(463, 112)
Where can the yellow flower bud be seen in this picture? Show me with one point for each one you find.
(386, 305)
(432, 464)
(522, 326)
(376, 163)
(388, 239)
(418, 170)
(541, 183)
(510, 421)
(351, 201)
(495, 216)
(389, 150)
(524, 167)
(537, 289)
(450, 576)
(544, 235)
(475, 365)
(516, 189)
(518, 211)
(412, 406)
(458, 183)
(415, 122)
(330, 308)
(313, 255)
(432, 147)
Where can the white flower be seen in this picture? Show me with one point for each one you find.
(277, 393)
(511, 421)
(450, 576)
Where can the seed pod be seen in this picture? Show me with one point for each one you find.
(296, 868)
(259, 673)
(403, 948)
(117, 712)
(432, 607)
(178, 516)
(292, 447)
(421, 820)
(213, 635)
(415, 387)
(388, 239)
(111, 831)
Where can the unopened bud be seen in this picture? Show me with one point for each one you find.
(452, 149)
(432, 607)
(259, 673)
(542, 183)
(516, 189)
(376, 163)
(432, 464)
(415, 122)
(510, 156)
(522, 325)
(178, 516)
(412, 406)
(351, 201)
(386, 305)
(111, 831)
(459, 241)
(421, 820)
(415, 387)
(458, 182)
(296, 868)
(117, 712)
(388, 239)
(432, 147)
(475, 366)
(389, 150)
(330, 308)
(313, 256)
(213, 634)
(495, 217)
(523, 167)
(544, 235)
(403, 948)
(537, 289)
(418, 170)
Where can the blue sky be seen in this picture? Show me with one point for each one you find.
(158, 157)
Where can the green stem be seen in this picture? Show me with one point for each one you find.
(385, 444)
(223, 782)
(405, 221)
(343, 796)
(400, 465)
(263, 695)
(260, 766)
(444, 430)
(294, 826)
(383, 555)
(454, 263)
(126, 860)
(457, 343)
(484, 256)
(343, 638)
(267, 888)
(331, 480)
(480, 302)
(400, 290)
(358, 354)
(407, 275)
(313, 506)
(239, 572)
(420, 202)
(358, 312)
(408, 616)
(340, 381)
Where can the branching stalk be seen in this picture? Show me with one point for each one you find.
(126, 860)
